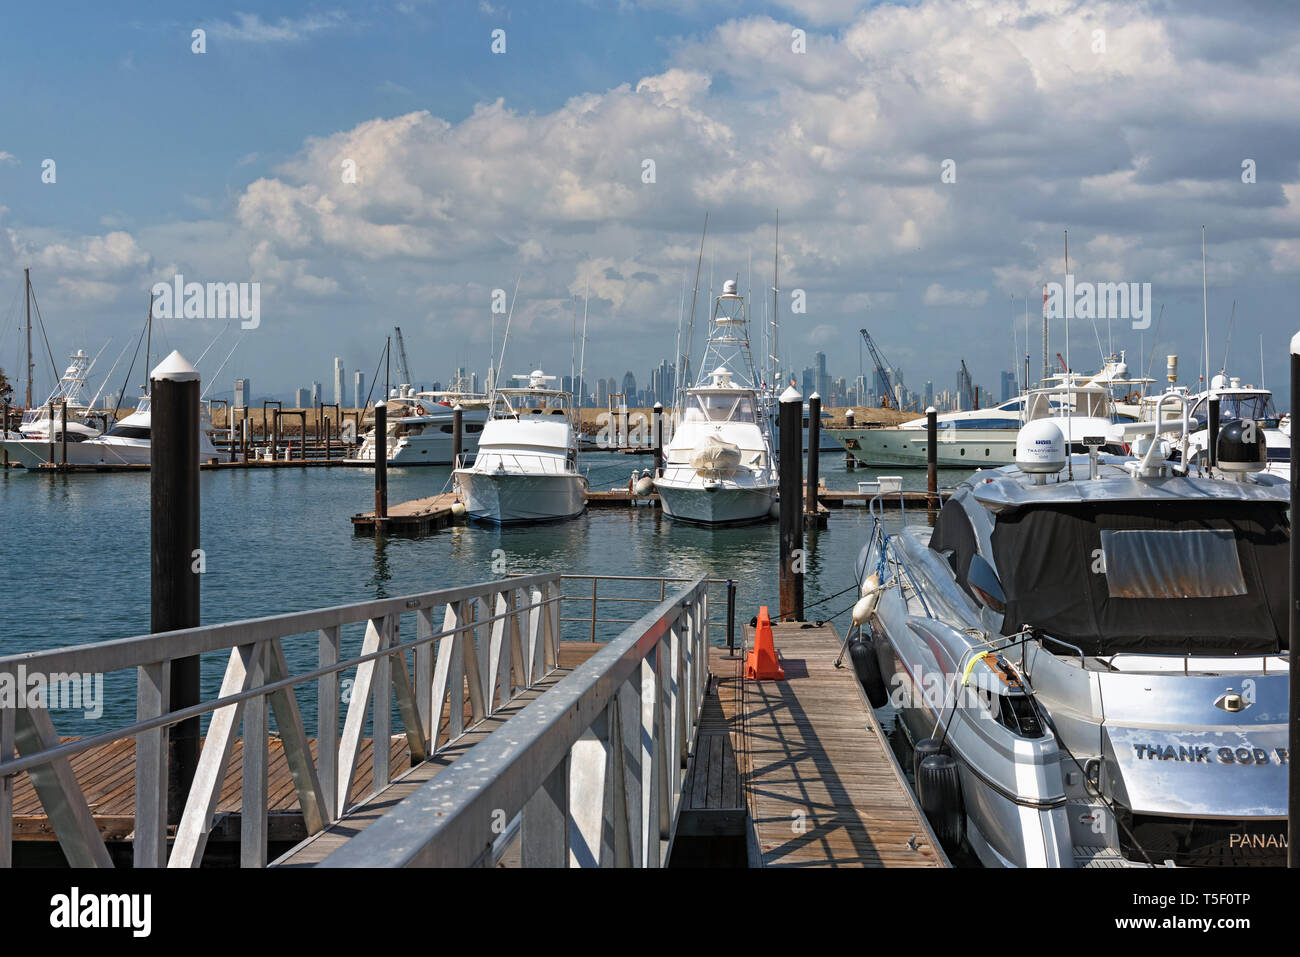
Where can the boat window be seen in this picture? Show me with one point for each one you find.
(1015, 405)
(129, 432)
(1257, 406)
(726, 408)
(1190, 563)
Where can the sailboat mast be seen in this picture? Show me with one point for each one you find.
(27, 298)
(1205, 312)
(776, 326)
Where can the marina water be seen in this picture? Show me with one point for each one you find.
(75, 556)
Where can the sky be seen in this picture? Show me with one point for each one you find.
(927, 160)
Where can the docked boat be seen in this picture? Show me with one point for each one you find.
(525, 469)
(718, 467)
(420, 427)
(1238, 403)
(984, 438)
(44, 423)
(1088, 655)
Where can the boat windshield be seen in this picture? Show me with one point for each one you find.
(1086, 402)
(721, 408)
(1255, 406)
(1184, 577)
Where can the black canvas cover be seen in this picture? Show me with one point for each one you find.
(1047, 558)
(954, 538)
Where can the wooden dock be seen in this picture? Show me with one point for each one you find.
(419, 516)
(818, 775)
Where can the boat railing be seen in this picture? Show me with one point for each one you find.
(472, 650)
(596, 602)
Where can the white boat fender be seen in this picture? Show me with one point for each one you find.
(458, 510)
(865, 608)
(644, 485)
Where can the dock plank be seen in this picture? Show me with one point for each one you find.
(816, 770)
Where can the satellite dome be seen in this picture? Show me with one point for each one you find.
(1040, 449)
(729, 287)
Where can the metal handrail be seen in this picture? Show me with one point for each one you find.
(604, 745)
(518, 647)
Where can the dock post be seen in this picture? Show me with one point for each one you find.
(731, 618)
(327, 439)
(381, 463)
(1211, 455)
(1293, 767)
(932, 457)
(5, 430)
(174, 556)
(659, 438)
(792, 557)
(814, 444)
(63, 431)
(49, 429)
(457, 420)
(243, 436)
(850, 463)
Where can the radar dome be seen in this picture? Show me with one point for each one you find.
(1040, 448)
(729, 287)
(1241, 448)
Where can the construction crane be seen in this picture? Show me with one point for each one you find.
(882, 369)
(968, 386)
(403, 370)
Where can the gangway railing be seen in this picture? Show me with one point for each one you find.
(590, 772)
(475, 649)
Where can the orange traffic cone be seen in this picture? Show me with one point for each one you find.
(761, 663)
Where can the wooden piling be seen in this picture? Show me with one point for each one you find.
(381, 461)
(792, 556)
(175, 558)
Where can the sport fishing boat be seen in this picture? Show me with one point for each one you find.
(44, 423)
(420, 427)
(1089, 655)
(718, 467)
(526, 466)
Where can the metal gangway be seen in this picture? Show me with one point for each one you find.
(583, 765)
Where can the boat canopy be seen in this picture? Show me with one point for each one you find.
(1189, 577)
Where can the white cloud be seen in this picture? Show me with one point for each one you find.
(937, 295)
(251, 28)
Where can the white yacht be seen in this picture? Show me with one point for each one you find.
(1237, 403)
(718, 467)
(44, 423)
(526, 467)
(420, 427)
(126, 443)
(986, 438)
(1092, 667)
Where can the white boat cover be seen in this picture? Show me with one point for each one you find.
(715, 455)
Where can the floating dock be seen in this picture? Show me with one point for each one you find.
(419, 516)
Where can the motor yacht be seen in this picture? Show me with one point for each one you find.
(718, 466)
(420, 427)
(1089, 654)
(525, 469)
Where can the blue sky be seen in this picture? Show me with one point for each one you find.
(479, 169)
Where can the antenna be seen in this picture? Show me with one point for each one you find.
(690, 329)
(1205, 311)
(1069, 374)
(506, 338)
(1228, 344)
(582, 360)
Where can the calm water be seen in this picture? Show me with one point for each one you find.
(74, 554)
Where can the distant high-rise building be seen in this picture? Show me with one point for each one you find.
(339, 396)
(473, 382)
(929, 393)
(358, 390)
(602, 394)
(315, 394)
(243, 393)
(1010, 387)
(629, 386)
(302, 399)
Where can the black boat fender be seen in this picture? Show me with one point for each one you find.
(867, 668)
(938, 791)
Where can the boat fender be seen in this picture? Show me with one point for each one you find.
(775, 510)
(867, 668)
(458, 510)
(644, 486)
(923, 749)
(938, 790)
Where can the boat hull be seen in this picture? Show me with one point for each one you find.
(521, 498)
(906, 448)
(416, 450)
(717, 504)
(129, 452)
